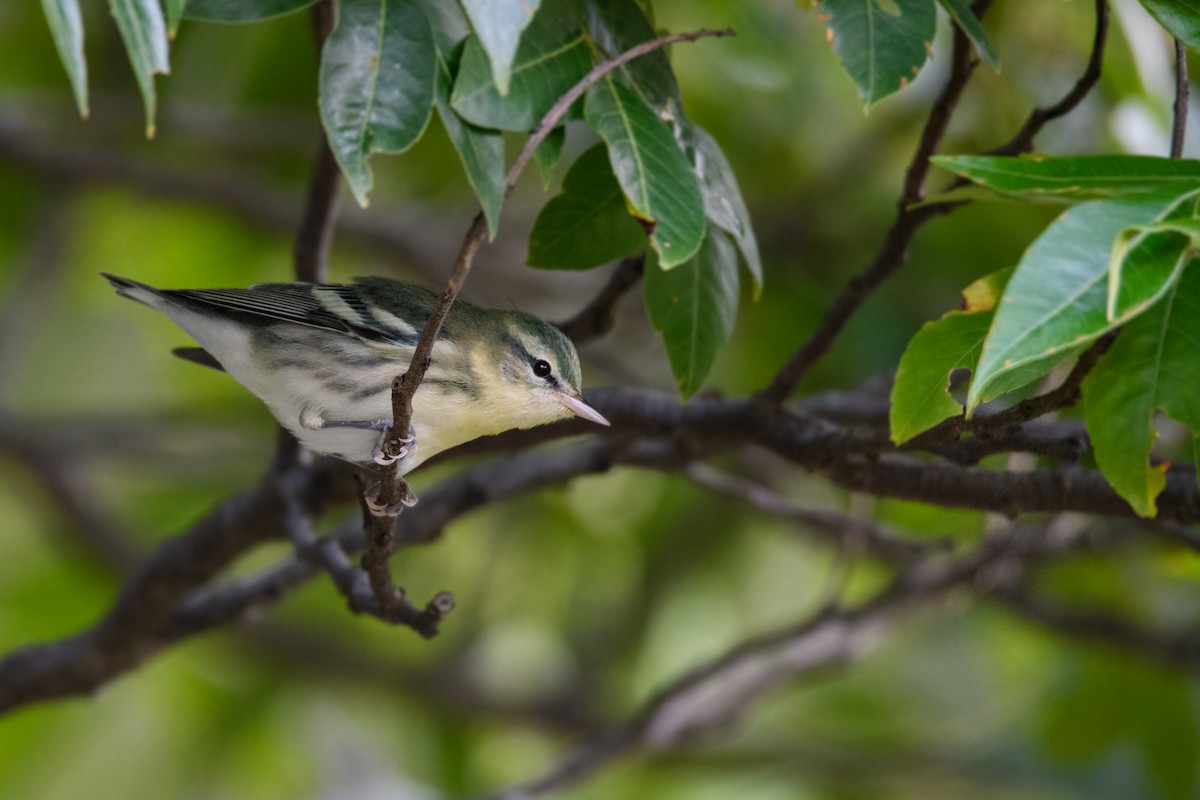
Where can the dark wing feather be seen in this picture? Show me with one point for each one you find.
(331, 307)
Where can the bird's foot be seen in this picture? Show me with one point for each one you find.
(408, 445)
(373, 498)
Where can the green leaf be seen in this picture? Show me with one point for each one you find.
(1072, 179)
(66, 25)
(921, 392)
(588, 224)
(882, 43)
(241, 10)
(723, 203)
(552, 58)
(1182, 20)
(498, 25)
(481, 150)
(174, 11)
(549, 153)
(618, 25)
(1056, 301)
(653, 172)
(145, 33)
(1143, 271)
(694, 307)
(376, 86)
(1153, 365)
(960, 11)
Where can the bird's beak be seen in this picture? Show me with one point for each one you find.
(576, 406)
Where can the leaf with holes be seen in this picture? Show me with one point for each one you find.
(653, 172)
(882, 43)
(552, 58)
(694, 307)
(1073, 179)
(241, 10)
(498, 25)
(376, 85)
(66, 25)
(1055, 303)
(144, 30)
(921, 392)
(587, 224)
(1152, 366)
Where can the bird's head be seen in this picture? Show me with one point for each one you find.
(534, 377)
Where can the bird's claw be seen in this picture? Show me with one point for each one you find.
(372, 497)
(380, 456)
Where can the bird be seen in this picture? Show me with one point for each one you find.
(322, 357)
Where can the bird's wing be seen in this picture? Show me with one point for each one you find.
(337, 308)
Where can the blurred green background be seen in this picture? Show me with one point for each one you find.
(574, 604)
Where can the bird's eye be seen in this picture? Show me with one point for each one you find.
(541, 368)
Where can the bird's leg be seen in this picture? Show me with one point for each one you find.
(380, 455)
(315, 421)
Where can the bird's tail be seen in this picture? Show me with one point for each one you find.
(135, 291)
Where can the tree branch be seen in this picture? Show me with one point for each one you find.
(596, 318)
(713, 697)
(1022, 142)
(894, 249)
(1180, 108)
(394, 491)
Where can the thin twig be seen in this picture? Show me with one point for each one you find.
(1022, 142)
(1180, 108)
(596, 318)
(893, 252)
(380, 537)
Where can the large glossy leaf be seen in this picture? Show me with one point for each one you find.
(723, 202)
(498, 25)
(481, 150)
(241, 10)
(694, 307)
(882, 43)
(1153, 365)
(960, 11)
(552, 58)
(144, 30)
(653, 172)
(66, 25)
(1073, 179)
(617, 25)
(588, 224)
(376, 85)
(921, 392)
(1181, 19)
(1056, 301)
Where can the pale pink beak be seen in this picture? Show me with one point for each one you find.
(576, 406)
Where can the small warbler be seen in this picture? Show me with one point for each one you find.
(323, 356)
